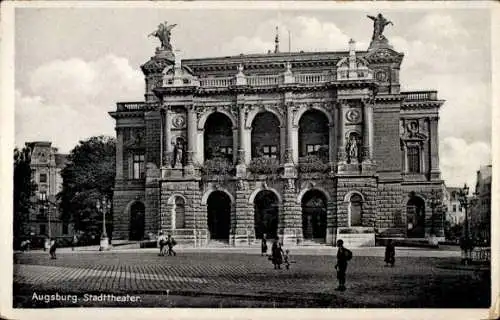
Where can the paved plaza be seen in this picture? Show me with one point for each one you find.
(236, 278)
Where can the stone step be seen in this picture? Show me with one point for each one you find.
(357, 240)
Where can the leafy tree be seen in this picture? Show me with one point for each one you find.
(24, 190)
(88, 176)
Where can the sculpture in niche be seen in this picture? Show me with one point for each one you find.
(352, 148)
(178, 153)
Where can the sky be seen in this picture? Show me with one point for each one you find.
(73, 64)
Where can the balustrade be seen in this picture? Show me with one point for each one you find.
(130, 106)
(419, 95)
(217, 82)
(264, 80)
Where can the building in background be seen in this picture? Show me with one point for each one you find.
(480, 217)
(46, 165)
(455, 213)
(307, 146)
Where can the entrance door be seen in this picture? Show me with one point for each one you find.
(314, 216)
(415, 217)
(136, 221)
(219, 215)
(266, 214)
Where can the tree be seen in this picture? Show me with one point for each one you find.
(24, 190)
(88, 176)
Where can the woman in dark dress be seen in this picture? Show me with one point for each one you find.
(264, 245)
(277, 254)
(390, 253)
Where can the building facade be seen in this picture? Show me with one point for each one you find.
(46, 166)
(455, 212)
(480, 216)
(304, 146)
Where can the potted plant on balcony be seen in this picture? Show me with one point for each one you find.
(219, 168)
(313, 164)
(270, 167)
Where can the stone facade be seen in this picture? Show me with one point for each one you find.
(309, 147)
(46, 166)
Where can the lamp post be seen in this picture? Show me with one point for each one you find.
(42, 197)
(467, 244)
(103, 205)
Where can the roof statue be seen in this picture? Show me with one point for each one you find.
(379, 24)
(163, 33)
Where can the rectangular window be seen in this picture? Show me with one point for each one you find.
(42, 229)
(228, 151)
(312, 149)
(454, 208)
(138, 166)
(414, 159)
(43, 178)
(270, 152)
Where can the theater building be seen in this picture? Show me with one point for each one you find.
(307, 146)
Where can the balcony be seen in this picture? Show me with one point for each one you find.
(265, 80)
(314, 164)
(130, 106)
(414, 96)
(217, 82)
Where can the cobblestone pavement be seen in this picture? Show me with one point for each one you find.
(414, 282)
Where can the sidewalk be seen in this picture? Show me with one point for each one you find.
(312, 250)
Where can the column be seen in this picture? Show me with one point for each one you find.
(235, 145)
(341, 155)
(162, 137)
(119, 153)
(242, 147)
(289, 154)
(433, 126)
(368, 131)
(168, 138)
(191, 127)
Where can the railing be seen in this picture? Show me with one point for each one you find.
(481, 254)
(312, 78)
(419, 95)
(217, 82)
(264, 80)
(130, 106)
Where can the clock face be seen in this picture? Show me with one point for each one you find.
(381, 75)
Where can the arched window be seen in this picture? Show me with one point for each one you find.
(355, 210)
(179, 214)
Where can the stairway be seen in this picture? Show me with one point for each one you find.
(216, 243)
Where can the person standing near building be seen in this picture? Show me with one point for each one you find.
(277, 254)
(52, 250)
(162, 241)
(390, 253)
(263, 245)
(171, 243)
(74, 242)
(343, 256)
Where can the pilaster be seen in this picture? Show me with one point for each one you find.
(434, 170)
(119, 154)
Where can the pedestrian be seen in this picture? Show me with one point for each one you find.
(171, 243)
(162, 241)
(74, 242)
(287, 259)
(343, 256)
(277, 254)
(52, 250)
(390, 253)
(263, 245)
